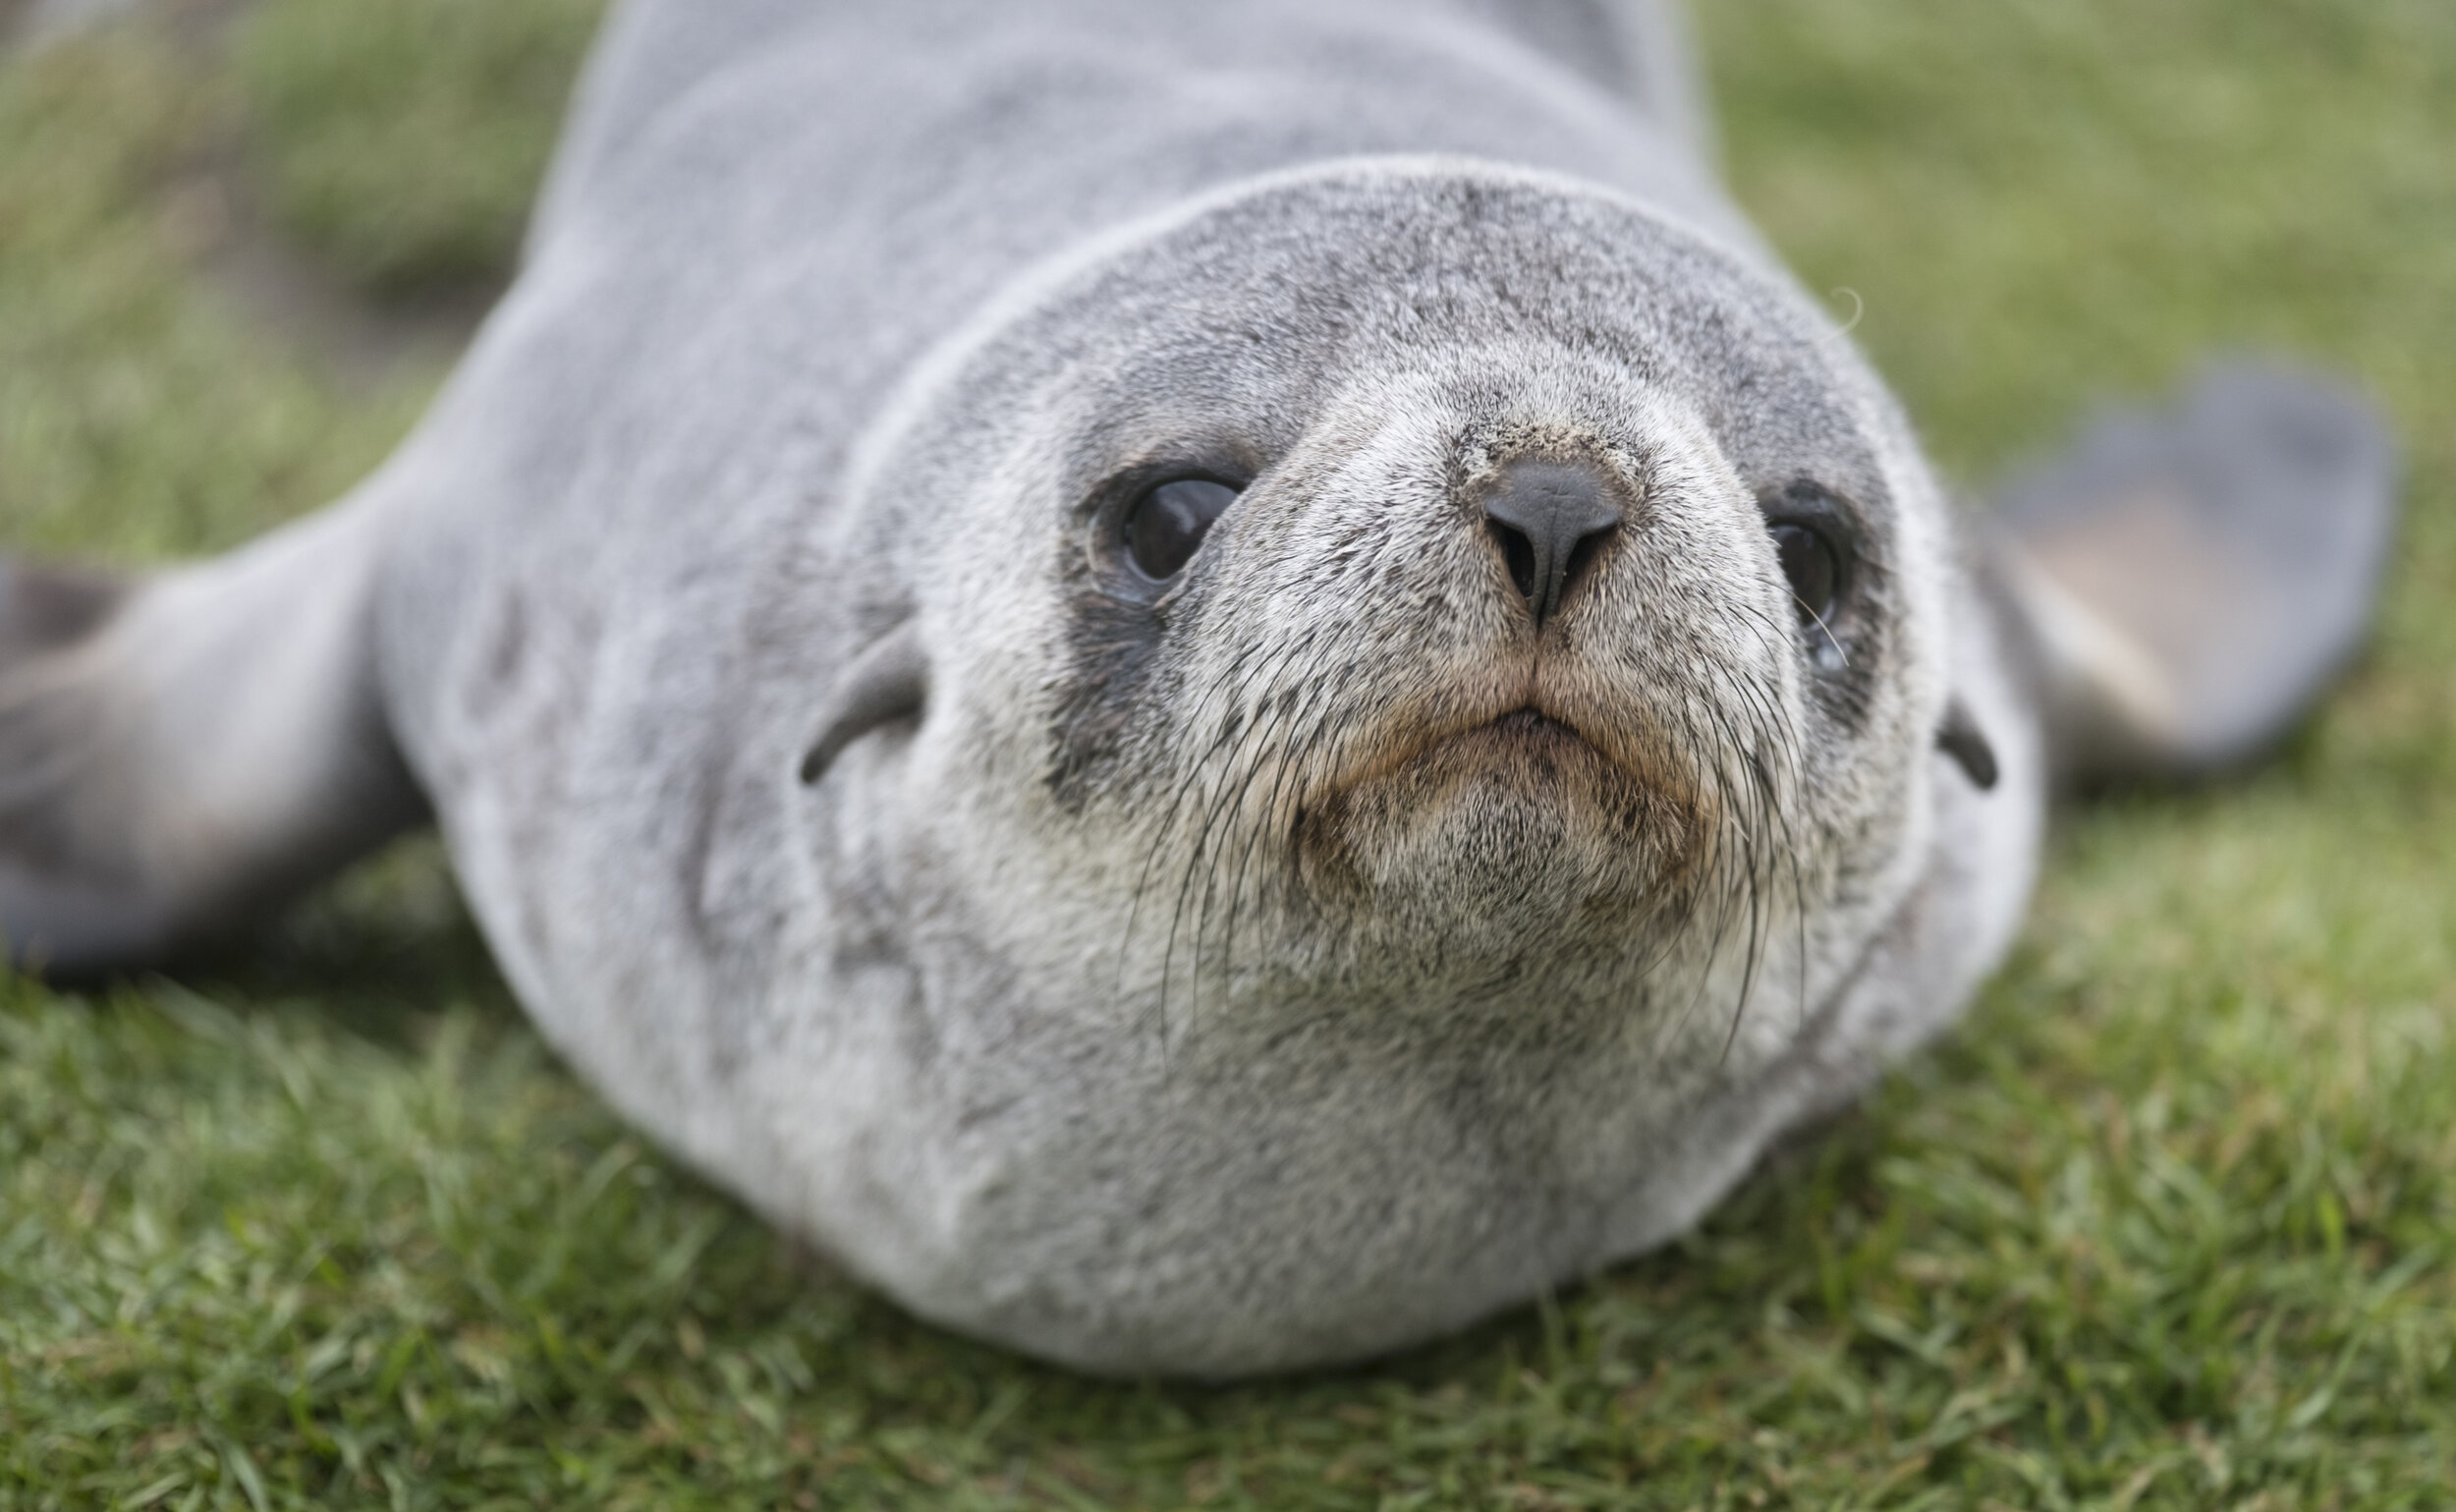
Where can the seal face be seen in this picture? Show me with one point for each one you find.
(1350, 721)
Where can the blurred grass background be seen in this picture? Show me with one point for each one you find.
(2166, 1224)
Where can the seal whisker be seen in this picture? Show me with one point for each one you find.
(1712, 878)
(1240, 730)
(1225, 696)
(1284, 756)
(1289, 744)
(1157, 844)
(1781, 732)
(1763, 813)
(1244, 769)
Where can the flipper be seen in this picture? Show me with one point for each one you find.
(46, 609)
(177, 752)
(2189, 580)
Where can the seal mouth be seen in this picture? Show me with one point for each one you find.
(1530, 735)
(1522, 803)
(1531, 741)
(1533, 727)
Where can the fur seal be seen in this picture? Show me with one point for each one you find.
(1213, 688)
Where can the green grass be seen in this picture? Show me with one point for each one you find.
(404, 139)
(2166, 1224)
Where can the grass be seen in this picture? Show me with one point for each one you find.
(407, 177)
(2166, 1224)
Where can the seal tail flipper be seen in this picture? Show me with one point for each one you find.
(178, 751)
(2189, 580)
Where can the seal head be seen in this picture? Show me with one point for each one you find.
(1431, 674)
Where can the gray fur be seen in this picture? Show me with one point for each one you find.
(1200, 984)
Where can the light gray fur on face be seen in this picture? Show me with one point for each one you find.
(1199, 983)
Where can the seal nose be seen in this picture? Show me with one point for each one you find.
(1550, 518)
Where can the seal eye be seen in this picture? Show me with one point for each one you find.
(1814, 568)
(1169, 522)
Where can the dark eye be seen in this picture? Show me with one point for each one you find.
(1169, 522)
(1814, 568)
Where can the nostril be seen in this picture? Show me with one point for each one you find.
(1550, 520)
(1581, 556)
(1518, 553)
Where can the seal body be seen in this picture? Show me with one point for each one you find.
(1271, 963)
(838, 322)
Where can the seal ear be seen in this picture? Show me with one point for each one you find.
(887, 682)
(1960, 737)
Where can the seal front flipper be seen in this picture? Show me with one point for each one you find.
(2189, 580)
(45, 608)
(178, 751)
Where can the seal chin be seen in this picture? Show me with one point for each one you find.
(1488, 837)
